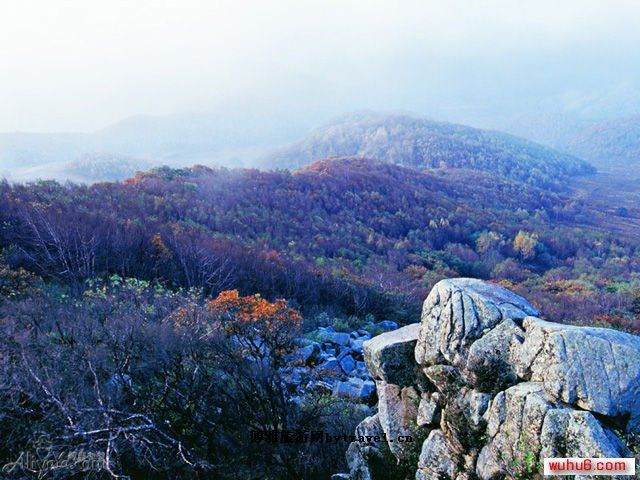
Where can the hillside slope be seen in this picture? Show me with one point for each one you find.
(348, 234)
(420, 143)
(609, 145)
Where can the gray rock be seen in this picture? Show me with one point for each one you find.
(371, 461)
(596, 369)
(437, 459)
(428, 409)
(356, 344)
(368, 390)
(459, 311)
(488, 365)
(525, 424)
(340, 476)
(398, 413)
(389, 357)
(349, 389)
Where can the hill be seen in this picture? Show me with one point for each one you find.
(420, 143)
(609, 145)
(348, 235)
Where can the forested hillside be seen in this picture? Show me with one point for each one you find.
(348, 235)
(151, 325)
(614, 144)
(420, 143)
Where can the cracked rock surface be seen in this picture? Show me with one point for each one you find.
(487, 390)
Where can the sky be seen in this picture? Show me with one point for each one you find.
(80, 65)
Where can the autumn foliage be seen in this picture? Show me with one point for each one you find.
(261, 328)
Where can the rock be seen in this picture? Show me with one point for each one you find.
(372, 461)
(330, 366)
(428, 409)
(356, 344)
(596, 369)
(340, 476)
(489, 366)
(356, 389)
(348, 364)
(349, 389)
(459, 311)
(308, 355)
(364, 333)
(525, 424)
(319, 386)
(398, 413)
(389, 357)
(495, 389)
(437, 460)
(368, 390)
(336, 338)
(387, 325)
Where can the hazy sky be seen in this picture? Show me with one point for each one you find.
(80, 65)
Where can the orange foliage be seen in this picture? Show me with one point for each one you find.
(259, 325)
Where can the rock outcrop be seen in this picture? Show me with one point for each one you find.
(486, 389)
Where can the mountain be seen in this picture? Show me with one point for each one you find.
(233, 135)
(88, 168)
(419, 143)
(610, 144)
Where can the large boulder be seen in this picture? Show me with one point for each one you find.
(525, 425)
(459, 311)
(372, 460)
(596, 369)
(389, 356)
(494, 389)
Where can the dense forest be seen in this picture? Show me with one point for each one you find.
(420, 143)
(151, 323)
(353, 236)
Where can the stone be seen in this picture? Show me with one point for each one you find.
(331, 366)
(356, 344)
(348, 364)
(596, 369)
(398, 413)
(389, 356)
(308, 355)
(364, 333)
(489, 366)
(372, 461)
(340, 476)
(494, 389)
(336, 338)
(437, 460)
(428, 409)
(387, 325)
(525, 424)
(459, 311)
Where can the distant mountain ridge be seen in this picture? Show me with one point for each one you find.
(609, 144)
(420, 143)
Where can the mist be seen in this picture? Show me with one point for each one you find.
(82, 65)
